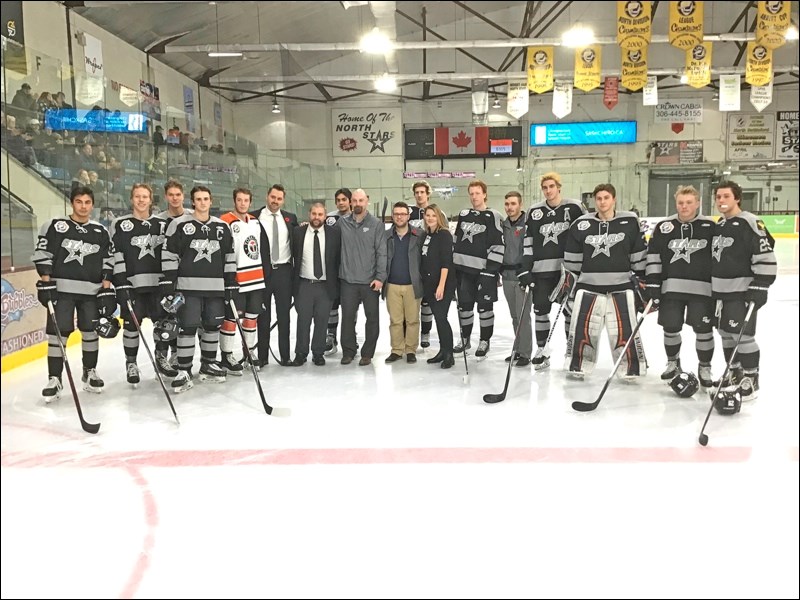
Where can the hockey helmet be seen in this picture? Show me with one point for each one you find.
(173, 302)
(728, 402)
(107, 327)
(685, 384)
(166, 329)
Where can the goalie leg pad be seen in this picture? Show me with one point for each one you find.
(584, 332)
(620, 320)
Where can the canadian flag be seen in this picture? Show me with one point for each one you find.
(454, 141)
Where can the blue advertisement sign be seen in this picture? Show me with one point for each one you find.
(576, 134)
(78, 119)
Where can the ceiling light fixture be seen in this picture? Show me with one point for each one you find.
(386, 84)
(375, 42)
(496, 103)
(684, 78)
(792, 33)
(577, 36)
(275, 108)
(217, 53)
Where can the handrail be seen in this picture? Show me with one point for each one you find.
(12, 196)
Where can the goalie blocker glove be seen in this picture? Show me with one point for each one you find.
(564, 287)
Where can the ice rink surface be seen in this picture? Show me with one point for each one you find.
(399, 481)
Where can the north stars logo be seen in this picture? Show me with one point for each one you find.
(205, 249)
(470, 230)
(718, 244)
(551, 231)
(78, 250)
(683, 249)
(604, 242)
(147, 244)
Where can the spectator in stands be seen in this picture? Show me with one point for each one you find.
(61, 100)
(81, 179)
(24, 104)
(157, 168)
(86, 159)
(158, 140)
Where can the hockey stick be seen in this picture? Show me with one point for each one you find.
(271, 327)
(546, 349)
(465, 379)
(589, 406)
(87, 427)
(384, 208)
(703, 438)
(267, 408)
(494, 398)
(135, 320)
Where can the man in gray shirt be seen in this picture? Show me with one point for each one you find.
(361, 272)
(519, 304)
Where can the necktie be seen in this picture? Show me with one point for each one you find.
(274, 252)
(317, 257)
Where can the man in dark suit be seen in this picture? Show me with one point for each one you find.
(276, 252)
(316, 248)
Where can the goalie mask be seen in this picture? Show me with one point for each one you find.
(107, 327)
(684, 384)
(173, 302)
(166, 329)
(728, 402)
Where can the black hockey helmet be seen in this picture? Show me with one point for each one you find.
(685, 384)
(728, 402)
(166, 329)
(107, 327)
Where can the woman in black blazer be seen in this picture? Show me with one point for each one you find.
(438, 279)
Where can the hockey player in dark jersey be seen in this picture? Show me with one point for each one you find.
(601, 252)
(422, 196)
(679, 281)
(137, 240)
(342, 199)
(543, 256)
(198, 261)
(477, 258)
(73, 259)
(743, 266)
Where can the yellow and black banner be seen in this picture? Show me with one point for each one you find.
(14, 55)
(685, 24)
(634, 68)
(772, 22)
(633, 25)
(540, 69)
(759, 64)
(698, 65)
(587, 67)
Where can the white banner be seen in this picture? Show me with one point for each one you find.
(650, 92)
(562, 98)
(93, 56)
(761, 96)
(518, 102)
(786, 134)
(730, 92)
(367, 132)
(751, 137)
(679, 111)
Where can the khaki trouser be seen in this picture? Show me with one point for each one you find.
(403, 308)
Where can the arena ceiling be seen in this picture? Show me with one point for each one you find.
(308, 50)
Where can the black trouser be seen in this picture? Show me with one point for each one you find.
(353, 294)
(279, 285)
(440, 309)
(313, 304)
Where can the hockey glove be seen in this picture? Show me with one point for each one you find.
(106, 302)
(231, 292)
(525, 279)
(652, 291)
(124, 292)
(757, 294)
(46, 291)
(487, 287)
(564, 287)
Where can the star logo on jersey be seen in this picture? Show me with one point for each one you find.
(204, 248)
(718, 244)
(684, 248)
(470, 230)
(551, 231)
(78, 250)
(604, 242)
(146, 244)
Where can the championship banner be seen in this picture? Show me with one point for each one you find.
(367, 132)
(761, 96)
(93, 56)
(562, 98)
(518, 101)
(634, 68)
(772, 22)
(633, 25)
(650, 93)
(540, 69)
(587, 67)
(730, 92)
(611, 92)
(480, 101)
(758, 70)
(685, 24)
(698, 65)
(14, 55)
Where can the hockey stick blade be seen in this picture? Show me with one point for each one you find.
(590, 406)
(85, 425)
(495, 398)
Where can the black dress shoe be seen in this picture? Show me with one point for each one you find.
(436, 359)
(347, 359)
(411, 357)
(319, 361)
(448, 361)
(392, 358)
(298, 361)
